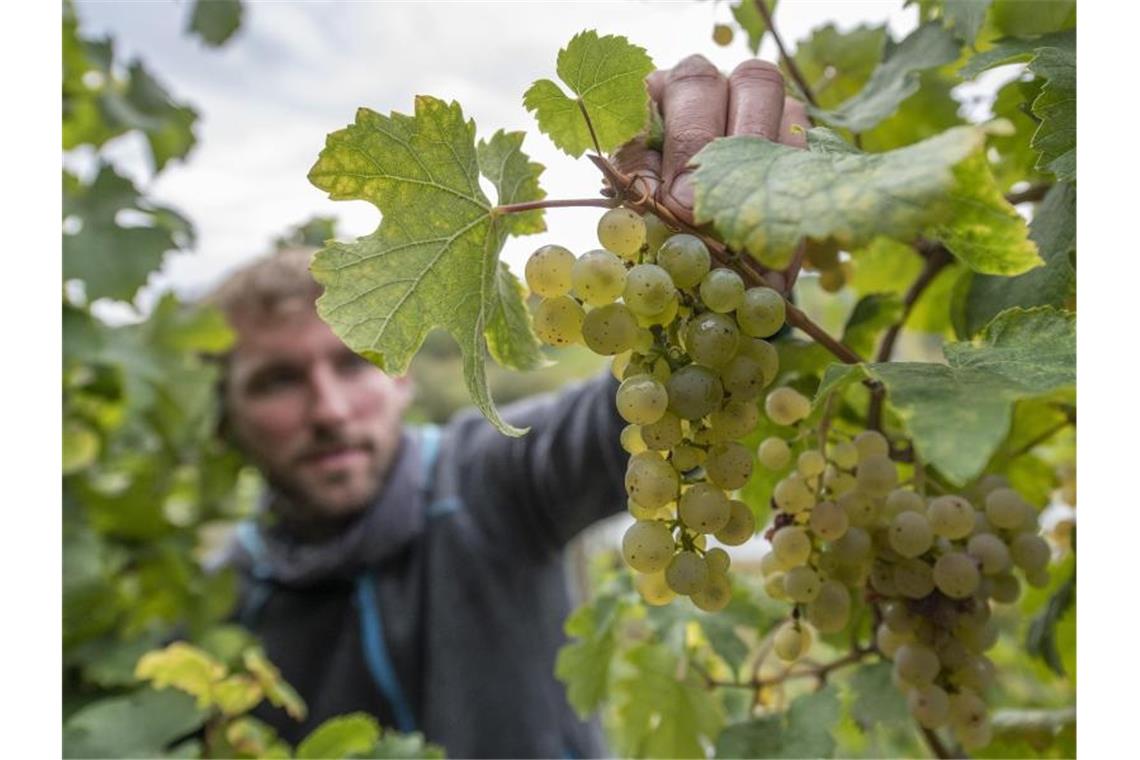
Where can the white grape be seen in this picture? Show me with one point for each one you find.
(650, 480)
(787, 406)
(686, 573)
(761, 313)
(828, 520)
(641, 400)
(741, 524)
(791, 546)
(622, 231)
(774, 453)
(951, 516)
(686, 259)
(722, 290)
(956, 575)
(547, 271)
(598, 278)
(704, 508)
(910, 534)
(558, 321)
(648, 289)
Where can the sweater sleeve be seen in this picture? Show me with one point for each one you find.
(536, 492)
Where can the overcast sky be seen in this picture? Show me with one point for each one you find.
(299, 70)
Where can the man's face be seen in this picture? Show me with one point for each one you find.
(321, 423)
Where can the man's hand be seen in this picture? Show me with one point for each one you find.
(698, 104)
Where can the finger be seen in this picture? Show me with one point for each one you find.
(695, 101)
(636, 159)
(795, 115)
(755, 100)
(656, 84)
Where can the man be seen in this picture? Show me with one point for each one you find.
(416, 573)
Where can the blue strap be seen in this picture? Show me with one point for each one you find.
(429, 452)
(376, 653)
(250, 539)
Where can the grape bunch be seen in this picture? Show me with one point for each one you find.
(930, 567)
(688, 345)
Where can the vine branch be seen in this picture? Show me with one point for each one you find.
(786, 59)
(518, 208)
(934, 741)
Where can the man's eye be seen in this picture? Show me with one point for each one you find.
(276, 380)
(351, 363)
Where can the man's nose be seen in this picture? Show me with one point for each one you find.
(330, 403)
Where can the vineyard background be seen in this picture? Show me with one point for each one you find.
(215, 486)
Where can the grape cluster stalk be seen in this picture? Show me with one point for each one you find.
(931, 569)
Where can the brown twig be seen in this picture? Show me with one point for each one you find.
(793, 270)
(937, 259)
(937, 747)
(787, 60)
(1029, 194)
(518, 208)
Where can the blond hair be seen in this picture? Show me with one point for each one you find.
(269, 287)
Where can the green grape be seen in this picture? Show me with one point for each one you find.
(715, 595)
(729, 465)
(1030, 552)
(743, 377)
(969, 720)
(740, 527)
(871, 443)
(833, 280)
(976, 636)
(1037, 578)
(620, 364)
(828, 520)
(916, 664)
(686, 573)
(704, 508)
(718, 560)
(930, 705)
(811, 463)
(736, 419)
(876, 475)
(853, 547)
(951, 653)
(598, 278)
(791, 546)
(763, 353)
(722, 290)
(882, 579)
(653, 588)
(663, 317)
(761, 312)
(609, 329)
(631, 440)
(548, 271)
(845, 455)
(802, 584)
(663, 434)
(648, 289)
(558, 321)
(647, 513)
(644, 341)
(711, 339)
(861, 509)
(831, 609)
(686, 259)
(901, 500)
(694, 391)
(1005, 508)
(951, 516)
(956, 575)
(913, 578)
(791, 641)
(1004, 588)
(769, 564)
(910, 534)
(650, 480)
(837, 481)
(685, 458)
(622, 231)
(888, 640)
(792, 495)
(641, 400)
(786, 406)
(990, 551)
(773, 453)
(656, 232)
(648, 546)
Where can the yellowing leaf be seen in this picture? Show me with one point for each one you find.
(184, 667)
(237, 694)
(277, 689)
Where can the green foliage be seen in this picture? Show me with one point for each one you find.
(345, 736)
(876, 699)
(215, 21)
(439, 238)
(838, 64)
(607, 76)
(804, 730)
(584, 665)
(139, 724)
(1056, 106)
(750, 20)
(1041, 639)
(312, 233)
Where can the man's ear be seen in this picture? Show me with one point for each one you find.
(407, 390)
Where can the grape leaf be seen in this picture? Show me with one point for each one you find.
(146, 106)
(835, 64)
(764, 197)
(434, 260)
(895, 79)
(140, 724)
(251, 737)
(664, 716)
(1019, 18)
(1054, 229)
(607, 76)
(1056, 106)
(876, 698)
(113, 260)
(957, 414)
(1014, 50)
(397, 746)
(237, 694)
(805, 730)
(349, 735)
(277, 690)
(1016, 160)
(984, 230)
(750, 20)
(184, 667)
(584, 665)
(1040, 638)
(215, 21)
(930, 110)
(965, 17)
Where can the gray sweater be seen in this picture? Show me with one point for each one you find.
(440, 609)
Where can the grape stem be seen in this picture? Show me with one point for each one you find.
(518, 208)
(589, 126)
(937, 748)
(747, 267)
(818, 672)
(793, 270)
(786, 59)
